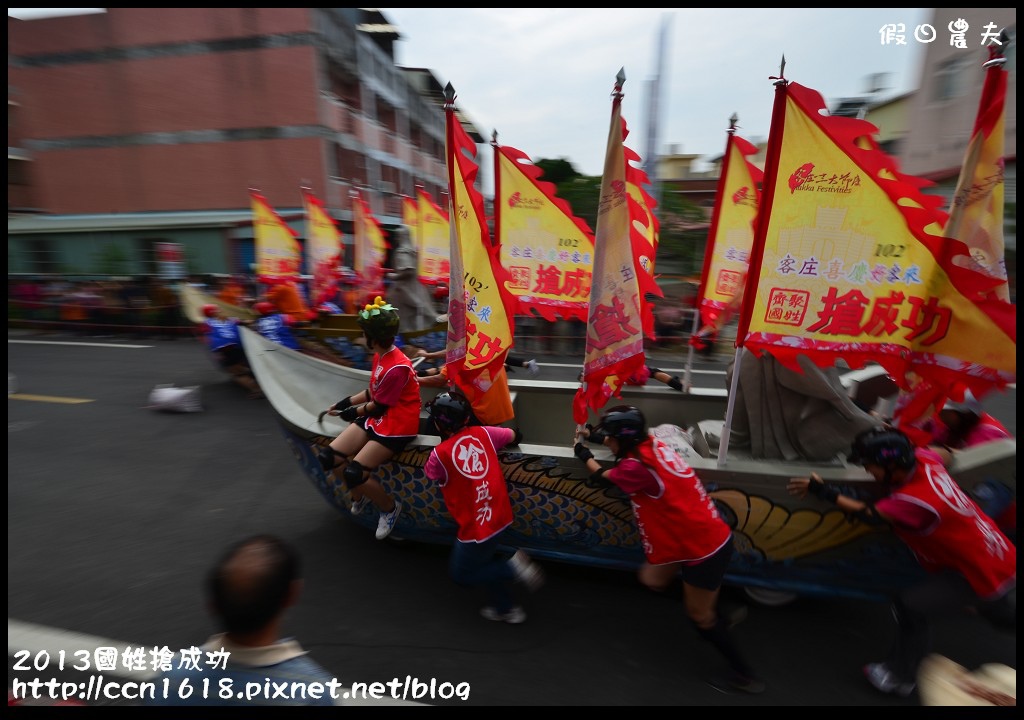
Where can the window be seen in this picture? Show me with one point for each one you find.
(951, 77)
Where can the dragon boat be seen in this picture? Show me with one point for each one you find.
(786, 547)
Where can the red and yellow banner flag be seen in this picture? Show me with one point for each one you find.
(323, 249)
(615, 325)
(435, 243)
(278, 254)
(547, 251)
(851, 263)
(731, 236)
(480, 310)
(644, 229)
(976, 216)
(370, 249)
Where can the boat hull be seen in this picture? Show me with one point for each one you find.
(782, 544)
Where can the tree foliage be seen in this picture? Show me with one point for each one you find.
(679, 249)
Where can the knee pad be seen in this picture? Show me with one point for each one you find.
(353, 475)
(328, 457)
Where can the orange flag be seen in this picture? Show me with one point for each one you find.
(615, 345)
(976, 216)
(370, 249)
(849, 262)
(323, 249)
(480, 310)
(278, 254)
(435, 248)
(727, 257)
(547, 250)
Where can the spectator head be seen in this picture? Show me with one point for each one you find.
(254, 581)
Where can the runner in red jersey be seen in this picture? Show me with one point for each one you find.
(680, 528)
(467, 468)
(970, 561)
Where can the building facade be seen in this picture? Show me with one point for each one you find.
(139, 126)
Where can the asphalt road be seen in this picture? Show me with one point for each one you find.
(115, 512)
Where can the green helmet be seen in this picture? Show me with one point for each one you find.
(378, 320)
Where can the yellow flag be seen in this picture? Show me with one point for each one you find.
(547, 251)
(278, 255)
(323, 249)
(976, 217)
(435, 251)
(480, 309)
(851, 262)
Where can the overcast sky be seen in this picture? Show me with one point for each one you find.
(542, 77)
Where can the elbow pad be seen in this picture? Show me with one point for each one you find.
(597, 479)
(378, 409)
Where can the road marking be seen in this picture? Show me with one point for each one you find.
(48, 398)
(84, 344)
(37, 638)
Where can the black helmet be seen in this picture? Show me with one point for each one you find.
(625, 423)
(449, 412)
(890, 449)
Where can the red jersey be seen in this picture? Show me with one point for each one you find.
(393, 383)
(678, 522)
(473, 484)
(960, 537)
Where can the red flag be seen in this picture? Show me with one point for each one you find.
(976, 216)
(848, 262)
(480, 309)
(614, 347)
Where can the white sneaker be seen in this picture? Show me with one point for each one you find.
(527, 571)
(359, 505)
(885, 680)
(387, 521)
(513, 617)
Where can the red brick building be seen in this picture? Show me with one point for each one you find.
(141, 125)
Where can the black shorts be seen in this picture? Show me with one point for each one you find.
(394, 443)
(230, 356)
(708, 573)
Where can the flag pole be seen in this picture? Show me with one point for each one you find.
(772, 154)
(709, 250)
(615, 127)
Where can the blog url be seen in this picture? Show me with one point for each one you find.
(99, 687)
